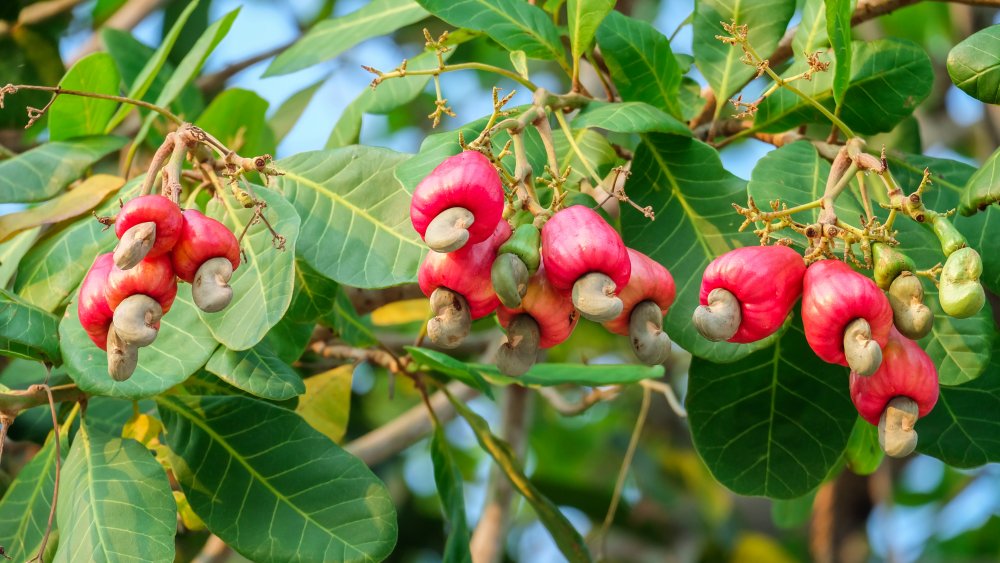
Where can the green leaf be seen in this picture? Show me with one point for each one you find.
(889, 79)
(87, 195)
(811, 34)
(237, 117)
(684, 182)
(629, 117)
(444, 364)
(974, 65)
(962, 430)
(314, 295)
(289, 339)
(863, 453)
(355, 213)
(311, 500)
(792, 513)
(347, 324)
(262, 285)
(448, 478)
(983, 188)
(515, 25)
(838, 27)
(720, 62)
(77, 116)
(289, 112)
(12, 251)
(326, 405)
(147, 77)
(27, 331)
(257, 371)
(114, 503)
(773, 423)
(43, 171)
(24, 510)
(641, 61)
(583, 18)
(332, 37)
(183, 345)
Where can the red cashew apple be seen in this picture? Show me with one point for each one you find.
(93, 311)
(583, 254)
(206, 255)
(904, 388)
(459, 287)
(545, 318)
(645, 300)
(139, 297)
(458, 203)
(148, 225)
(846, 316)
(747, 293)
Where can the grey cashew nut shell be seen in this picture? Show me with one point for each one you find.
(135, 320)
(210, 288)
(516, 356)
(863, 354)
(720, 318)
(510, 279)
(594, 296)
(449, 231)
(122, 357)
(134, 245)
(906, 297)
(645, 327)
(896, 435)
(452, 320)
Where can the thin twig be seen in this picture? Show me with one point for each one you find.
(57, 90)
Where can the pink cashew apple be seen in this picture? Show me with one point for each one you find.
(93, 311)
(206, 256)
(148, 225)
(645, 300)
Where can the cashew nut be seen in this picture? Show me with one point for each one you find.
(594, 296)
(122, 357)
(510, 279)
(135, 245)
(720, 318)
(452, 321)
(895, 429)
(210, 287)
(906, 296)
(517, 355)
(645, 327)
(135, 320)
(449, 230)
(864, 355)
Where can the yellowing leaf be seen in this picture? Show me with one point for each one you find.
(74, 203)
(326, 404)
(143, 429)
(401, 312)
(188, 517)
(758, 548)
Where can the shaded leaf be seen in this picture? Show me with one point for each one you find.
(349, 326)
(838, 27)
(983, 188)
(77, 201)
(27, 331)
(77, 116)
(24, 510)
(444, 364)
(12, 251)
(448, 478)
(629, 117)
(43, 171)
(974, 65)
(257, 371)
(326, 404)
(314, 294)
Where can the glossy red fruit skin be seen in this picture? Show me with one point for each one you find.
(93, 311)
(153, 277)
(202, 238)
(466, 271)
(767, 281)
(467, 180)
(155, 208)
(833, 295)
(577, 241)
(649, 281)
(552, 309)
(906, 371)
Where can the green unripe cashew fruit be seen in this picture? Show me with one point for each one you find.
(951, 239)
(524, 244)
(961, 294)
(889, 263)
(906, 297)
(517, 260)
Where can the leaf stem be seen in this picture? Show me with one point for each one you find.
(57, 90)
(455, 67)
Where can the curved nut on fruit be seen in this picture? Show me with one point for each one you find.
(122, 357)
(645, 328)
(594, 296)
(517, 355)
(911, 317)
(510, 279)
(863, 354)
(720, 318)
(135, 244)
(210, 288)
(895, 429)
(451, 322)
(449, 230)
(136, 320)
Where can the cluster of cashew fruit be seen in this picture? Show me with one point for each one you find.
(127, 292)
(538, 273)
(747, 294)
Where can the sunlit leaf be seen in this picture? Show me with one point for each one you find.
(974, 65)
(326, 404)
(43, 171)
(78, 116)
(257, 371)
(77, 201)
(27, 331)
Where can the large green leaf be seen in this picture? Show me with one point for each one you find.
(237, 117)
(27, 331)
(584, 17)
(273, 488)
(332, 37)
(838, 27)
(974, 65)
(889, 79)
(982, 188)
(641, 62)
(115, 502)
(719, 62)
(684, 182)
(811, 35)
(963, 430)
(326, 404)
(629, 117)
(257, 371)
(24, 510)
(349, 326)
(516, 25)
(774, 423)
(43, 171)
(77, 116)
(262, 285)
(448, 478)
(314, 295)
(355, 214)
(183, 345)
